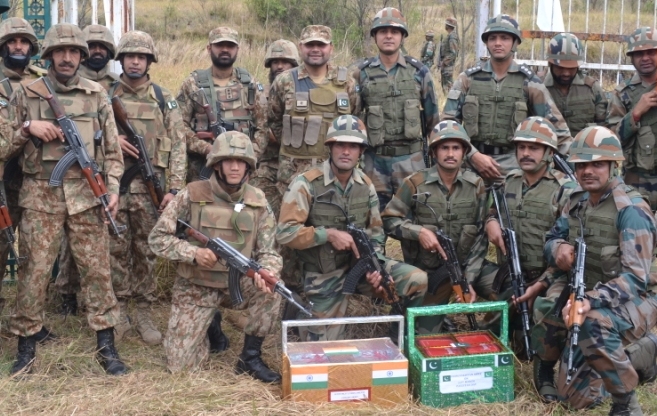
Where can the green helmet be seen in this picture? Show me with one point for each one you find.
(17, 27)
(63, 34)
(136, 41)
(449, 130)
(232, 145)
(100, 34)
(347, 129)
(595, 143)
(389, 17)
(282, 49)
(565, 51)
(502, 23)
(537, 130)
(644, 38)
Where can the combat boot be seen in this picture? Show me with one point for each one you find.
(251, 363)
(107, 355)
(643, 356)
(123, 327)
(69, 304)
(218, 340)
(544, 380)
(45, 335)
(25, 356)
(625, 405)
(145, 326)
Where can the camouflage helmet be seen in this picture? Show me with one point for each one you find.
(100, 34)
(449, 130)
(644, 38)
(565, 51)
(347, 129)
(63, 34)
(17, 27)
(502, 23)
(389, 17)
(429, 34)
(595, 143)
(282, 49)
(232, 145)
(136, 41)
(537, 130)
(450, 21)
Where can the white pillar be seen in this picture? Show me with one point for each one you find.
(484, 12)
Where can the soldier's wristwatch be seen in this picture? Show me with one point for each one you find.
(25, 128)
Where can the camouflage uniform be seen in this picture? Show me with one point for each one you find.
(234, 103)
(620, 233)
(460, 211)
(428, 53)
(490, 124)
(450, 46)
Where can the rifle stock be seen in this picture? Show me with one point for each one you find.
(7, 227)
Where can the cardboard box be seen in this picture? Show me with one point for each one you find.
(465, 368)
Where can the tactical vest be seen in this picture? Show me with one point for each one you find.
(492, 111)
(212, 216)
(457, 214)
(81, 105)
(532, 216)
(577, 108)
(641, 156)
(600, 233)
(325, 259)
(392, 104)
(235, 102)
(309, 113)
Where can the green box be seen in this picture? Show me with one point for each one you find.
(467, 379)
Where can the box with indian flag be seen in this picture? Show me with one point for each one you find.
(469, 367)
(344, 371)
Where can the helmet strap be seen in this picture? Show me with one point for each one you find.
(220, 177)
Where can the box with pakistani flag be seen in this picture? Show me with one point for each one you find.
(346, 371)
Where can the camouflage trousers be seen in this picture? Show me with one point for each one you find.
(549, 332)
(41, 236)
(603, 366)
(132, 260)
(644, 183)
(325, 292)
(447, 78)
(68, 278)
(195, 162)
(388, 172)
(186, 342)
(15, 212)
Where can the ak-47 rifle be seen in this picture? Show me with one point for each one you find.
(7, 227)
(215, 125)
(77, 152)
(563, 166)
(368, 261)
(513, 260)
(428, 161)
(144, 164)
(240, 265)
(460, 284)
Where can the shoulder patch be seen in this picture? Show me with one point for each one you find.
(525, 70)
(453, 94)
(472, 70)
(412, 61)
(172, 104)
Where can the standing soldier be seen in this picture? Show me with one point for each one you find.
(428, 49)
(449, 51)
(49, 212)
(494, 97)
(153, 112)
(398, 105)
(317, 231)
(616, 350)
(458, 197)
(579, 97)
(633, 116)
(224, 206)
(231, 93)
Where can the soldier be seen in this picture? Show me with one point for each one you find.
(579, 97)
(457, 196)
(449, 50)
(224, 206)
(230, 91)
(616, 350)
(317, 231)
(492, 98)
(398, 105)
(153, 112)
(633, 116)
(428, 49)
(49, 212)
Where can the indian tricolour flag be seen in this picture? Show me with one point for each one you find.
(309, 377)
(389, 372)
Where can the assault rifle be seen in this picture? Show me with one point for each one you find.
(513, 262)
(460, 284)
(144, 164)
(215, 125)
(7, 227)
(240, 265)
(563, 166)
(368, 261)
(77, 152)
(428, 161)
